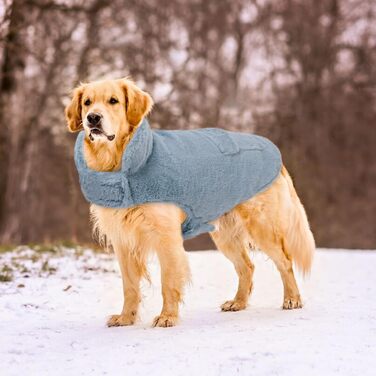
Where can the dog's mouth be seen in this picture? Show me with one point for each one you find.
(99, 132)
(96, 131)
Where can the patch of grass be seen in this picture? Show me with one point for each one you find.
(59, 247)
(68, 244)
(6, 248)
(44, 248)
(6, 273)
(46, 267)
(35, 257)
(54, 248)
(20, 267)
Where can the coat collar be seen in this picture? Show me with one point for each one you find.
(134, 157)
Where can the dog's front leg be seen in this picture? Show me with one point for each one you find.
(131, 275)
(174, 275)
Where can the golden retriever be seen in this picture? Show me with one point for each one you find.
(273, 221)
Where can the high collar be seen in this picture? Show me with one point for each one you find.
(134, 157)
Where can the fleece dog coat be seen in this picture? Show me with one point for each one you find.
(206, 172)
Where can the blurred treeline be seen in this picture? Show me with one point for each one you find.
(300, 72)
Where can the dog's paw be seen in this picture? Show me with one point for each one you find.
(165, 321)
(292, 303)
(121, 320)
(233, 305)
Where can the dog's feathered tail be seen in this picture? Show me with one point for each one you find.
(298, 241)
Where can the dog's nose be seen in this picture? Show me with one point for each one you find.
(94, 119)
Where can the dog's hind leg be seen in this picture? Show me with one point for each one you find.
(232, 240)
(275, 250)
(268, 219)
(291, 294)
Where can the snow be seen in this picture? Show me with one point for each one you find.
(49, 328)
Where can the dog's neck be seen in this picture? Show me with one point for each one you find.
(128, 152)
(105, 156)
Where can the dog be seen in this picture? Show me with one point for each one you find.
(274, 220)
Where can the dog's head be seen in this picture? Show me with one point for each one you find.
(107, 109)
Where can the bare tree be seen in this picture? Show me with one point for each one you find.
(324, 94)
(315, 98)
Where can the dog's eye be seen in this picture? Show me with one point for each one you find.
(87, 102)
(114, 101)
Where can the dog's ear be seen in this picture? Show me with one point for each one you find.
(73, 110)
(137, 103)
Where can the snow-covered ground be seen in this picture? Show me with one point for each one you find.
(52, 319)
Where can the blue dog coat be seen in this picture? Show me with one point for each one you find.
(206, 172)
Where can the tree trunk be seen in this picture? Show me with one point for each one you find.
(11, 69)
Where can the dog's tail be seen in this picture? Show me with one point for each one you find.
(298, 242)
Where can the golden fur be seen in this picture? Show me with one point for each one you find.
(274, 220)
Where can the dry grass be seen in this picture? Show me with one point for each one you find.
(42, 259)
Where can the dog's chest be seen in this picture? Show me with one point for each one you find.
(115, 224)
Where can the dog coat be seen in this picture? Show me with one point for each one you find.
(206, 172)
